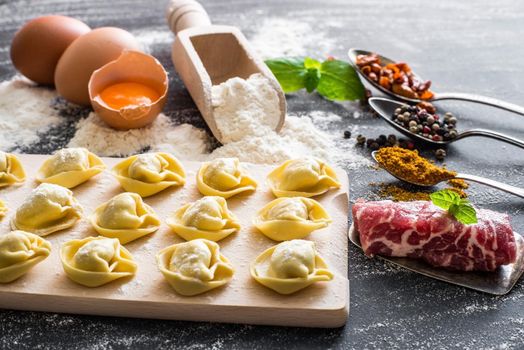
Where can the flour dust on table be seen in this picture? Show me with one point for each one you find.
(25, 111)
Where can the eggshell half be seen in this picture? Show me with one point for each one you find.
(85, 55)
(136, 67)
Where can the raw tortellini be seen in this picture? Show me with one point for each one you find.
(95, 261)
(49, 208)
(207, 218)
(19, 252)
(303, 177)
(3, 209)
(149, 173)
(291, 218)
(11, 171)
(224, 177)
(126, 217)
(69, 167)
(290, 266)
(194, 267)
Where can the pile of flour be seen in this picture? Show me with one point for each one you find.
(247, 112)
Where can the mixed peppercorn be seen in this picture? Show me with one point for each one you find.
(422, 120)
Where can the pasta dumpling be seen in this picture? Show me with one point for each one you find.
(126, 217)
(303, 177)
(290, 266)
(3, 209)
(207, 218)
(95, 261)
(291, 218)
(149, 173)
(194, 267)
(11, 170)
(19, 252)
(224, 177)
(49, 208)
(69, 167)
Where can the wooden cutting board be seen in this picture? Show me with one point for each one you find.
(148, 295)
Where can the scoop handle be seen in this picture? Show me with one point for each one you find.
(183, 14)
(492, 183)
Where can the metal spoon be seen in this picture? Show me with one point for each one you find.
(386, 107)
(517, 191)
(353, 53)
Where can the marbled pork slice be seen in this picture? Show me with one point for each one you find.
(422, 230)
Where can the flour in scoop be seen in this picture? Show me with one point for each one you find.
(247, 113)
(244, 108)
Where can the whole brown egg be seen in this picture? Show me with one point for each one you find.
(85, 55)
(38, 45)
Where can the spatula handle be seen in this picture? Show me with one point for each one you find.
(183, 14)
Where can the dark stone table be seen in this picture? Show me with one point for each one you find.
(463, 46)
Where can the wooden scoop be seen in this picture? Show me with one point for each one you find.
(205, 55)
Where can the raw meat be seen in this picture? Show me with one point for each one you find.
(422, 230)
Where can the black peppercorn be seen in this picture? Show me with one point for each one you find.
(347, 134)
(440, 154)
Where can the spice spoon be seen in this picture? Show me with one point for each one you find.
(353, 53)
(386, 107)
(517, 191)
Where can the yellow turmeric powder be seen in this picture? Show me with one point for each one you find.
(409, 165)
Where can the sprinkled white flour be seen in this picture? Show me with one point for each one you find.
(278, 37)
(184, 141)
(25, 111)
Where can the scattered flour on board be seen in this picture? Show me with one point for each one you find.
(184, 141)
(25, 111)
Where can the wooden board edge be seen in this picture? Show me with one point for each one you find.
(319, 318)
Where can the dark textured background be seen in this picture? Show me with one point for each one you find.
(467, 46)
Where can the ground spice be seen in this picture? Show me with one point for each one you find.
(408, 165)
(400, 194)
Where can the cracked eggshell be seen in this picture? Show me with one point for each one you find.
(131, 66)
(85, 55)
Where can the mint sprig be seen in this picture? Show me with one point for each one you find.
(333, 79)
(460, 208)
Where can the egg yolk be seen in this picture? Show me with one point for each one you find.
(123, 95)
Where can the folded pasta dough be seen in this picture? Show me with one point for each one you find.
(149, 173)
(291, 218)
(70, 167)
(303, 177)
(19, 252)
(290, 266)
(208, 218)
(194, 267)
(224, 177)
(95, 261)
(11, 170)
(126, 217)
(3, 209)
(49, 208)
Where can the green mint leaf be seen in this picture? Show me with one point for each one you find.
(339, 81)
(311, 63)
(460, 208)
(466, 214)
(445, 199)
(312, 79)
(290, 72)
